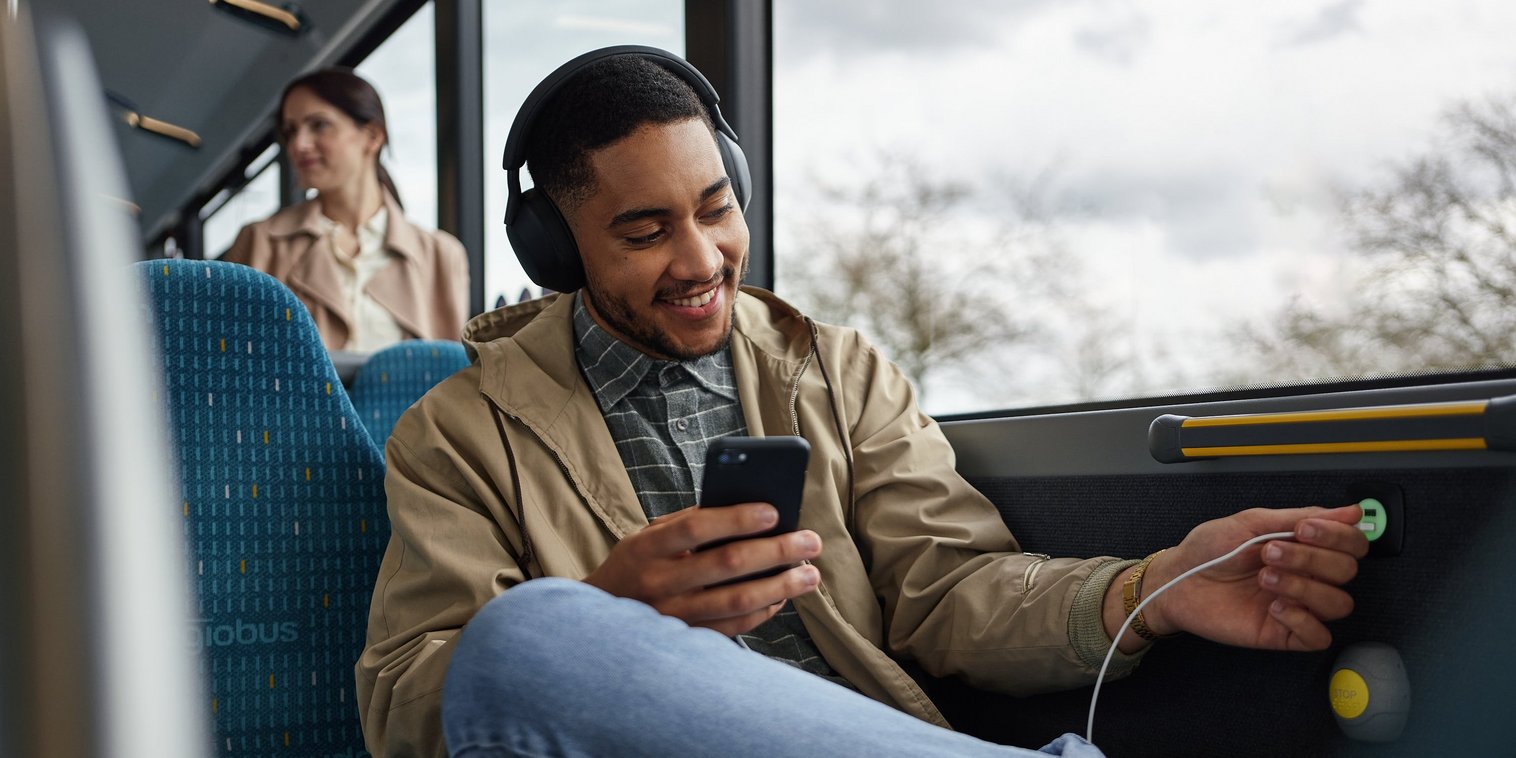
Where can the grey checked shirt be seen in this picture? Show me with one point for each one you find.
(663, 415)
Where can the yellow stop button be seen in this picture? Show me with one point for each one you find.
(1350, 694)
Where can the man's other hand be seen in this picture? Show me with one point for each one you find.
(1277, 595)
(660, 567)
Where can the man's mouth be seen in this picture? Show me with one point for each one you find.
(695, 301)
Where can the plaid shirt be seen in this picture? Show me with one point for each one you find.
(663, 415)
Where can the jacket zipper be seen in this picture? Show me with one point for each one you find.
(1031, 571)
(795, 383)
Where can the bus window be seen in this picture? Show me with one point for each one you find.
(256, 200)
(403, 70)
(1090, 202)
(523, 42)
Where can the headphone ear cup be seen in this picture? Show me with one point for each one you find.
(545, 245)
(735, 162)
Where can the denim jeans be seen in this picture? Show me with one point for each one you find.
(559, 668)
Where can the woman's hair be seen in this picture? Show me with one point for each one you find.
(351, 94)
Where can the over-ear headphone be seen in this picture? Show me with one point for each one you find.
(537, 231)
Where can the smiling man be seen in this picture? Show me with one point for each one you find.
(541, 497)
(662, 279)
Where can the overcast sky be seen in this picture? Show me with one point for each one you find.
(1193, 146)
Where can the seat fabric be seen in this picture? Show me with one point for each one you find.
(283, 507)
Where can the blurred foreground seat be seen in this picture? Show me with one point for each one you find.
(283, 507)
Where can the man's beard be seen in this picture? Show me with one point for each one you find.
(620, 317)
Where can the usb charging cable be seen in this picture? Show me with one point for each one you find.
(1089, 729)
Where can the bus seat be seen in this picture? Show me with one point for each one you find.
(283, 507)
(397, 376)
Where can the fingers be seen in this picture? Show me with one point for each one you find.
(1328, 565)
(693, 527)
(1305, 631)
(739, 607)
(743, 557)
(1264, 520)
(1324, 601)
(1335, 529)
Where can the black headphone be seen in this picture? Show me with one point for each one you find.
(539, 235)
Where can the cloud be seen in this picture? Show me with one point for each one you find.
(1330, 22)
(1117, 39)
(845, 28)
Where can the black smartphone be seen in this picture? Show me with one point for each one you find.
(756, 470)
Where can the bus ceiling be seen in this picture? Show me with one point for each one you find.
(191, 86)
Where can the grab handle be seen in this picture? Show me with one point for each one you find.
(1470, 425)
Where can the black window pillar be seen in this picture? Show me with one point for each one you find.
(290, 191)
(731, 42)
(190, 234)
(460, 133)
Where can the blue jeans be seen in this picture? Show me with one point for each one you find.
(557, 667)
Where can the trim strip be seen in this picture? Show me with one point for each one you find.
(1388, 446)
(1473, 408)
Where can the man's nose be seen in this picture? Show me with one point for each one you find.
(697, 258)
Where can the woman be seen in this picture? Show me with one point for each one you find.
(368, 275)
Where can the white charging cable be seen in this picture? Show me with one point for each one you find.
(1089, 728)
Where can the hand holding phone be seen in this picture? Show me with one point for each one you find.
(756, 470)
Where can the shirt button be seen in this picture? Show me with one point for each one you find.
(682, 424)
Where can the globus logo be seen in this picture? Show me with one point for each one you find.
(204, 633)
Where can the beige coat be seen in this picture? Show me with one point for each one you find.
(426, 289)
(916, 563)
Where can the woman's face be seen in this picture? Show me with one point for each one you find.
(329, 151)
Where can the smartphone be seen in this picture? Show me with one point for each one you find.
(756, 470)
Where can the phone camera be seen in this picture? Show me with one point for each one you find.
(729, 457)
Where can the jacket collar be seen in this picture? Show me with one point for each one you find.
(305, 218)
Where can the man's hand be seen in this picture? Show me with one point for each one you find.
(658, 567)
(1276, 595)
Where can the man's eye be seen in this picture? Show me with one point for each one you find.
(645, 239)
(716, 215)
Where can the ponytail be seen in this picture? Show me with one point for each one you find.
(387, 183)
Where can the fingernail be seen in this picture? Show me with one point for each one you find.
(807, 540)
(1310, 531)
(1270, 578)
(1273, 553)
(1276, 607)
(768, 516)
(811, 577)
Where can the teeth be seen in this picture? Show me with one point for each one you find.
(696, 301)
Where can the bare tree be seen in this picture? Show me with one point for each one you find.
(898, 256)
(1439, 288)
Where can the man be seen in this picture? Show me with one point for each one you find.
(571, 447)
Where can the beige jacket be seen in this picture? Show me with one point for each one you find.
(426, 289)
(916, 563)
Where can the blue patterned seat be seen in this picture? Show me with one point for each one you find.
(395, 377)
(283, 507)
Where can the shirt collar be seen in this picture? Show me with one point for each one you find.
(371, 233)
(613, 368)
